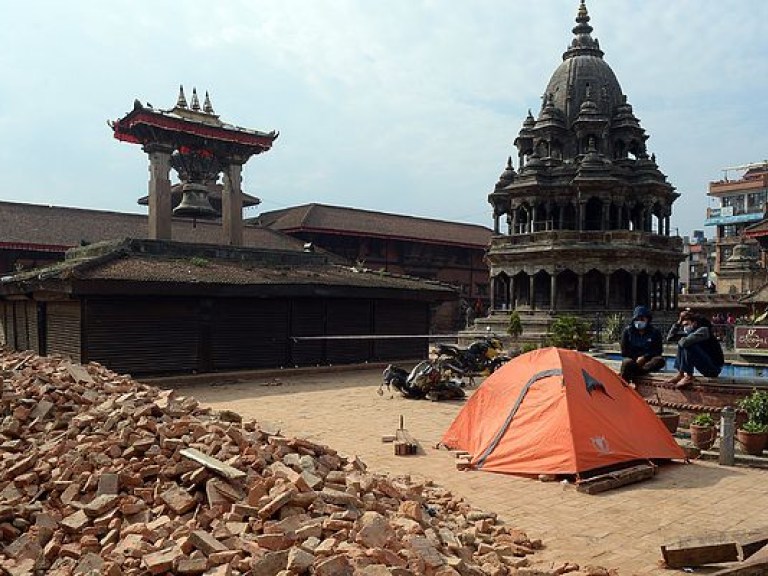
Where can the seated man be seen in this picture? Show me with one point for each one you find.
(641, 346)
(697, 348)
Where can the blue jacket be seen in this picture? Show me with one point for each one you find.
(634, 344)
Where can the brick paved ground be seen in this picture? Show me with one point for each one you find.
(623, 528)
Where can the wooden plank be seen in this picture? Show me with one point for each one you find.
(714, 548)
(616, 479)
(213, 464)
(755, 565)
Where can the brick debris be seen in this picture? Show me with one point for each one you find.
(100, 474)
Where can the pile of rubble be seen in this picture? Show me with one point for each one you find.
(100, 474)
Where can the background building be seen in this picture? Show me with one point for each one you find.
(449, 252)
(742, 204)
(697, 271)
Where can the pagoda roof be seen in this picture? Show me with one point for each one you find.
(146, 124)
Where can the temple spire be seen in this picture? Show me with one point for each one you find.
(583, 43)
(195, 101)
(181, 102)
(207, 107)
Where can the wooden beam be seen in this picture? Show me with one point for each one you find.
(714, 548)
(756, 565)
(616, 479)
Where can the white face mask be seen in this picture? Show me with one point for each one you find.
(687, 328)
(641, 324)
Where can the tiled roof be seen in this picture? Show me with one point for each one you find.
(756, 230)
(337, 219)
(166, 264)
(58, 227)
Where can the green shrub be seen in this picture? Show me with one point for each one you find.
(756, 407)
(703, 419)
(528, 347)
(515, 327)
(754, 427)
(614, 327)
(198, 261)
(570, 332)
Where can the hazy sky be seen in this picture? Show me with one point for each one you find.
(405, 106)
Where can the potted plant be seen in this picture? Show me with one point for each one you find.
(670, 418)
(753, 434)
(703, 432)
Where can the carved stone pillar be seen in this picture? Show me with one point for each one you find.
(607, 291)
(675, 293)
(561, 216)
(514, 220)
(512, 293)
(160, 206)
(531, 294)
(552, 291)
(582, 209)
(232, 205)
(606, 217)
(634, 288)
(496, 218)
(534, 218)
(580, 291)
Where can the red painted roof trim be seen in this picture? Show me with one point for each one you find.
(123, 130)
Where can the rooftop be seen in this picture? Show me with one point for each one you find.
(354, 221)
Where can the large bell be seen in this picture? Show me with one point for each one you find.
(194, 203)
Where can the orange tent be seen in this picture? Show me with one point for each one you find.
(555, 411)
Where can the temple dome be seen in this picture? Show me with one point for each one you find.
(582, 72)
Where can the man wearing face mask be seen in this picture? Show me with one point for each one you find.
(697, 348)
(641, 346)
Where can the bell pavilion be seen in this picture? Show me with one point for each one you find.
(192, 140)
(583, 224)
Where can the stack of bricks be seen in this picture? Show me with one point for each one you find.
(100, 474)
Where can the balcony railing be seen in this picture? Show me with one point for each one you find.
(551, 237)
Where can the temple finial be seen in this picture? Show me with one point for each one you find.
(195, 101)
(207, 107)
(181, 101)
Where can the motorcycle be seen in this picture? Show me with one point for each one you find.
(428, 379)
(481, 358)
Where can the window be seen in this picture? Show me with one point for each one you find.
(737, 202)
(756, 201)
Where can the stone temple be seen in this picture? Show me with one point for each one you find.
(583, 224)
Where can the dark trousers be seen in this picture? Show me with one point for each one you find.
(695, 357)
(630, 369)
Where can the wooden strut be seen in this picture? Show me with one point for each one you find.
(405, 444)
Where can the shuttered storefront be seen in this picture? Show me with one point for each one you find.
(352, 318)
(143, 335)
(307, 319)
(62, 329)
(250, 333)
(400, 317)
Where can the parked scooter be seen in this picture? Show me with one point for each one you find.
(428, 379)
(481, 358)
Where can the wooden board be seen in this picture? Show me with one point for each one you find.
(713, 548)
(616, 479)
(755, 565)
